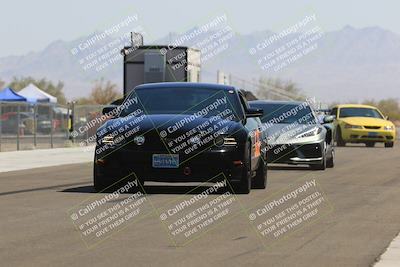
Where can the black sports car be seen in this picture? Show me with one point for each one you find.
(295, 135)
(182, 132)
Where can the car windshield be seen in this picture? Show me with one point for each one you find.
(286, 113)
(359, 112)
(208, 101)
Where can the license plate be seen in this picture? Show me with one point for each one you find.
(165, 161)
(373, 134)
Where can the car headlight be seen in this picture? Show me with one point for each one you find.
(309, 133)
(108, 139)
(349, 126)
(389, 128)
(224, 141)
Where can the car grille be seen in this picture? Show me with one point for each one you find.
(152, 142)
(371, 136)
(372, 127)
(279, 153)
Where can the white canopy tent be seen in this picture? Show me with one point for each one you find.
(34, 94)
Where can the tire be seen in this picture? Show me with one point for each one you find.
(98, 185)
(244, 186)
(330, 163)
(339, 139)
(260, 180)
(370, 144)
(389, 144)
(322, 165)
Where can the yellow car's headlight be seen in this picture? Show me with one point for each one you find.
(389, 128)
(349, 126)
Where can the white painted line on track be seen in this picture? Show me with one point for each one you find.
(391, 257)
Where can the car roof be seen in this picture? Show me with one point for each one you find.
(185, 85)
(284, 102)
(354, 106)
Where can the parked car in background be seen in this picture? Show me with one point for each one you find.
(294, 134)
(9, 122)
(362, 124)
(44, 124)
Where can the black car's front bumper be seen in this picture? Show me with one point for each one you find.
(310, 153)
(192, 168)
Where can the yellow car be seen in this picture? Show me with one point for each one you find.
(362, 124)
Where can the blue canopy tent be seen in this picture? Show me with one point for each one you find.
(8, 94)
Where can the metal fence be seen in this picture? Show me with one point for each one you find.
(86, 120)
(25, 126)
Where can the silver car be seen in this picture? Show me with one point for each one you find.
(295, 135)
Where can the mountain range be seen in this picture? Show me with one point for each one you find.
(351, 64)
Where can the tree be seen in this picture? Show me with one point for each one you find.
(83, 101)
(275, 89)
(53, 89)
(390, 107)
(103, 93)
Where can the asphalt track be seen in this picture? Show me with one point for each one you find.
(363, 190)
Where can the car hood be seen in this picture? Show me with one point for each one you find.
(171, 124)
(365, 121)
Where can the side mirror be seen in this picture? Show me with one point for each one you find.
(254, 112)
(329, 118)
(108, 110)
(387, 118)
(117, 102)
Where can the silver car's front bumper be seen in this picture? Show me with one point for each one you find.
(310, 153)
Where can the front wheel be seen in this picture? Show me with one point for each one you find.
(98, 184)
(244, 186)
(260, 180)
(370, 144)
(389, 144)
(321, 166)
(339, 139)
(330, 163)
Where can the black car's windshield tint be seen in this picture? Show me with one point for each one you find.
(286, 113)
(183, 101)
(359, 112)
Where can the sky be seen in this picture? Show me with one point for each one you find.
(32, 25)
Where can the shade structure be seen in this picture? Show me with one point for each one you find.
(34, 94)
(8, 94)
